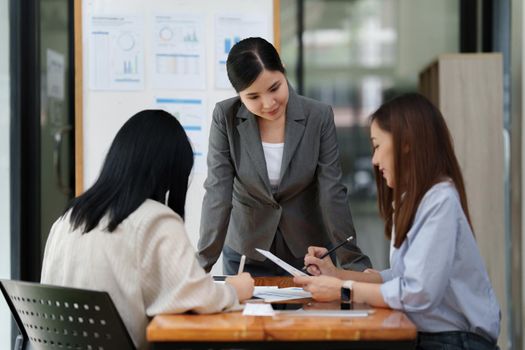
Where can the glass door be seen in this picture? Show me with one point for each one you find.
(5, 193)
(56, 127)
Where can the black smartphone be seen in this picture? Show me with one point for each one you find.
(287, 306)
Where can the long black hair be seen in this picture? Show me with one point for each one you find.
(149, 156)
(248, 58)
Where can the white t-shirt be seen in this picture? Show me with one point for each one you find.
(273, 153)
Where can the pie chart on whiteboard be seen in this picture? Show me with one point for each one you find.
(126, 42)
(166, 34)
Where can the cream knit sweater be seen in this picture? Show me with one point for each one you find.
(147, 265)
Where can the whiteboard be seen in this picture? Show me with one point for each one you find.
(132, 55)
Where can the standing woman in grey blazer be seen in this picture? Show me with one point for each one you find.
(274, 175)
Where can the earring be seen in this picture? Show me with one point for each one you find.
(167, 197)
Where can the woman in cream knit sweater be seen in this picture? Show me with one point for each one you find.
(125, 235)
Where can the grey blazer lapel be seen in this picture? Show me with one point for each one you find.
(294, 129)
(251, 139)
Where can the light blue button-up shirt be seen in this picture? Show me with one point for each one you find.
(437, 276)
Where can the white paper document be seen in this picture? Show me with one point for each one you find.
(274, 294)
(258, 310)
(55, 74)
(284, 265)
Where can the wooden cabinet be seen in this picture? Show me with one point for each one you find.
(468, 89)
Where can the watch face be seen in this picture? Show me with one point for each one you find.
(346, 295)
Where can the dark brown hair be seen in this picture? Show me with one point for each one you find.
(416, 125)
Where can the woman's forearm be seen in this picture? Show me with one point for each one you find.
(372, 277)
(368, 293)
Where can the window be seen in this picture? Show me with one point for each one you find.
(356, 55)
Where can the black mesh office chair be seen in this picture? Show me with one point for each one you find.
(51, 317)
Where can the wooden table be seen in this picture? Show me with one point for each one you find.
(383, 329)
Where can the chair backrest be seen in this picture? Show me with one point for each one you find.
(52, 317)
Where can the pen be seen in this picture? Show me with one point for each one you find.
(332, 250)
(241, 264)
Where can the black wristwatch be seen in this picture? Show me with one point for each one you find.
(346, 292)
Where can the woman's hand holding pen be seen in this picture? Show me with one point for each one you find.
(325, 267)
(318, 266)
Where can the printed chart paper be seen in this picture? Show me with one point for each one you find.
(116, 53)
(178, 52)
(229, 30)
(191, 113)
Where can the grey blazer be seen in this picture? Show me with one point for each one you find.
(310, 205)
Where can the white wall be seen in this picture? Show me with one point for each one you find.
(113, 108)
(5, 230)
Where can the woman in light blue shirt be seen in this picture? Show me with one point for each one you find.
(437, 276)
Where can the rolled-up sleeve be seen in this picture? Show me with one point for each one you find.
(386, 275)
(428, 258)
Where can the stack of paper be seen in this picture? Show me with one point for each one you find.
(273, 294)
